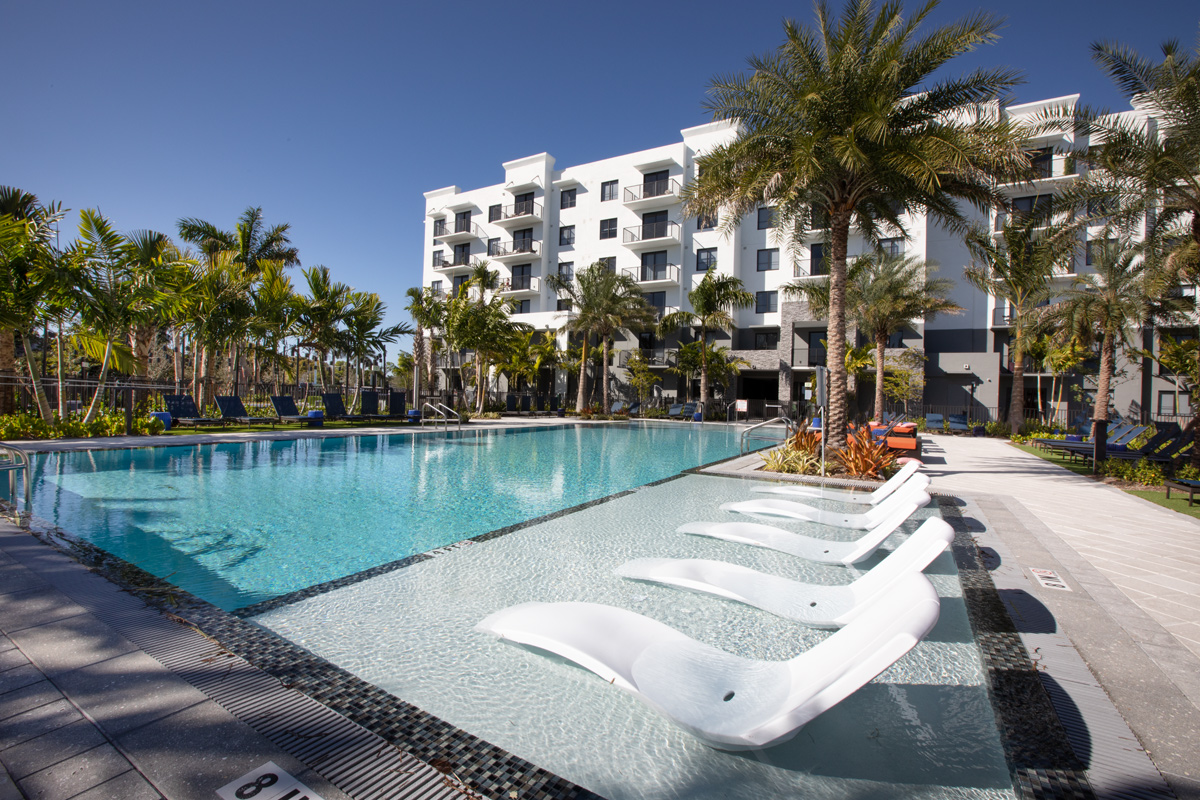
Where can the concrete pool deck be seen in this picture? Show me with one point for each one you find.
(1136, 647)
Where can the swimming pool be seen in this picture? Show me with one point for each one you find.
(237, 524)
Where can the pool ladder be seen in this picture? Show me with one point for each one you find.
(749, 434)
(12, 460)
(442, 413)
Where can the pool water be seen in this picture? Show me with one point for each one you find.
(237, 524)
(922, 729)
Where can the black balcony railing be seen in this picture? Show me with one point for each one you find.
(443, 228)
(520, 283)
(518, 247)
(439, 227)
(526, 208)
(652, 230)
(654, 272)
(651, 189)
(1002, 317)
(816, 356)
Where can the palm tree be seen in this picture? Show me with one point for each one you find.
(1107, 307)
(27, 257)
(427, 312)
(251, 242)
(322, 314)
(365, 334)
(713, 301)
(276, 309)
(155, 261)
(602, 304)
(843, 126)
(883, 294)
(485, 328)
(1018, 267)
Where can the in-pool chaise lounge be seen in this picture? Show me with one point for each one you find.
(726, 701)
(807, 547)
(912, 492)
(846, 495)
(818, 605)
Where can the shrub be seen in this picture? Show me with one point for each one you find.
(792, 461)
(806, 441)
(24, 425)
(1146, 473)
(863, 457)
(1188, 472)
(996, 429)
(654, 413)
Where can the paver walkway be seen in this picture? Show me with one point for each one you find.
(1150, 553)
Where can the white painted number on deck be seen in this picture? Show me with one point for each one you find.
(268, 782)
(1049, 579)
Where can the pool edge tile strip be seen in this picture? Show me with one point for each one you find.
(1041, 760)
(462, 762)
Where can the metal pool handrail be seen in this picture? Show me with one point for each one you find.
(18, 460)
(447, 411)
(438, 414)
(746, 434)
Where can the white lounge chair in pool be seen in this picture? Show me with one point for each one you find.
(906, 495)
(817, 605)
(876, 497)
(726, 701)
(808, 547)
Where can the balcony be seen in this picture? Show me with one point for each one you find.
(651, 234)
(449, 232)
(513, 251)
(651, 193)
(520, 286)
(1002, 317)
(664, 311)
(654, 356)
(449, 266)
(656, 276)
(526, 213)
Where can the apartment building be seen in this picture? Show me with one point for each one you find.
(626, 212)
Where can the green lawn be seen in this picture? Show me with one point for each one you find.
(1155, 495)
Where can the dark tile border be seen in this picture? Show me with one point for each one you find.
(1040, 758)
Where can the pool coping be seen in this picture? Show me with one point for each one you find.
(1041, 761)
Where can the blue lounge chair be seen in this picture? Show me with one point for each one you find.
(233, 410)
(285, 409)
(525, 407)
(618, 407)
(933, 422)
(675, 411)
(689, 410)
(336, 409)
(634, 409)
(958, 423)
(183, 411)
(510, 404)
(397, 405)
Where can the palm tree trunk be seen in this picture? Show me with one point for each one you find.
(478, 383)
(58, 370)
(704, 369)
(177, 357)
(94, 408)
(582, 376)
(8, 370)
(1107, 359)
(880, 358)
(418, 356)
(604, 376)
(35, 377)
(1016, 403)
(835, 426)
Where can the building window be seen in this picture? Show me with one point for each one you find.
(563, 304)
(608, 191)
(566, 270)
(523, 240)
(521, 307)
(609, 263)
(567, 199)
(459, 284)
(523, 204)
(436, 287)
(1096, 248)
(816, 260)
(768, 259)
(1167, 404)
(657, 300)
(439, 228)
(439, 258)
(766, 302)
(766, 218)
(493, 246)
(608, 228)
(706, 259)
(1042, 161)
(766, 340)
(521, 280)
(706, 222)
(462, 254)
(462, 222)
(816, 348)
(892, 247)
(493, 213)
(566, 235)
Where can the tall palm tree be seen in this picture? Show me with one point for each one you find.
(883, 294)
(1018, 267)
(366, 336)
(251, 242)
(322, 315)
(602, 304)
(427, 312)
(713, 302)
(276, 309)
(153, 260)
(844, 125)
(485, 328)
(1106, 308)
(27, 258)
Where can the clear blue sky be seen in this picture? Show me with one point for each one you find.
(335, 117)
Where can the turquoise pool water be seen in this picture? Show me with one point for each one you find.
(237, 524)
